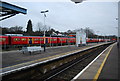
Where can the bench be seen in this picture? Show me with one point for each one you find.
(31, 49)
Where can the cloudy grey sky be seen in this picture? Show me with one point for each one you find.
(62, 16)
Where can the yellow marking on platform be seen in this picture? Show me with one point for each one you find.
(101, 66)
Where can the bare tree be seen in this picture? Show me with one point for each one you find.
(69, 31)
(40, 26)
(89, 32)
(15, 29)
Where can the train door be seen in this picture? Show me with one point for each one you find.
(67, 41)
(46, 41)
(30, 40)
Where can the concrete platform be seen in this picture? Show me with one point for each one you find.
(102, 68)
(15, 60)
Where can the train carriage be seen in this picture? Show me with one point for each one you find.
(19, 40)
(91, 40)
(62, 40)
(4, 42)
(54, 40)
(71, 40)
(35, 40)
(51, 41)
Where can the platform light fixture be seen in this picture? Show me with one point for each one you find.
(77, 1)
(44, 12)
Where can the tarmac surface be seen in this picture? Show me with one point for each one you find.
(104, 67)
(11, 58)
(110, 69)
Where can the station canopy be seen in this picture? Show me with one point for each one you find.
(8, 10)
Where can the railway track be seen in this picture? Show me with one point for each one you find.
(61, 69)
(73, 68)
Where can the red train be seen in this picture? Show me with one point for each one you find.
(15, 41)
(8, 41)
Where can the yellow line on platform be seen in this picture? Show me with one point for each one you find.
(101, 66)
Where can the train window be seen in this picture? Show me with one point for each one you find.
(51, 39)
(36, 39)
(23, 39)
(54, 39)
(2, 39)
(16, 39)
(41, 39)
(60, 39)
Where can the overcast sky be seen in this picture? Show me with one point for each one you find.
(62, 16)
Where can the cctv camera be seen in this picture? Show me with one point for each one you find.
(77, 1)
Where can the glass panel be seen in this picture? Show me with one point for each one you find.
(23, 39)
(16, 39)
(36, 39)
(41, 39)
(2, 39)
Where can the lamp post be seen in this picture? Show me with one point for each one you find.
(50, 36)
(98, 36)
(87, 32)
(44, 28)
(118, 31)
(105, 37)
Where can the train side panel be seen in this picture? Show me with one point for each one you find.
(18, 40)
(62, 40)
(37, 40)
(4, 40)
